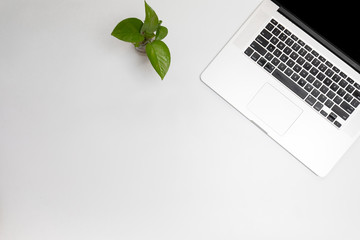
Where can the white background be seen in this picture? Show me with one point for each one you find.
(93, 145)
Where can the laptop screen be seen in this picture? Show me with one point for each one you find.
(337, 22)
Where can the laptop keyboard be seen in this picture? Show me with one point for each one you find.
(323, 86)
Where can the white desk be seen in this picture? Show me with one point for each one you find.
(93, 145)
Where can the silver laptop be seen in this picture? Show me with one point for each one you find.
(293, 70)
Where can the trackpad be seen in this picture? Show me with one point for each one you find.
(274, 109)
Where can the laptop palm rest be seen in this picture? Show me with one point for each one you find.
(274, 109)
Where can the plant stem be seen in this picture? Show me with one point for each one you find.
(142, 46)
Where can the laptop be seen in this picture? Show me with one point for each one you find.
(293, 70)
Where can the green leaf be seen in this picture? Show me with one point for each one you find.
(159, 56)
(151, 22)
(128, 30)
(161, 33)
(149, 36)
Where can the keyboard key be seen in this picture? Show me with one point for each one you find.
(317, 84)
(308, 87)
(269, 56)
(287, 50)
(289, 42)
(262, 41)
(330, 94)
(356, 94)
(310, 79)
(296, 77)
(294, 56)
(273, 21)
(315, 53)
(314, 71)
(249, 51)
(274, 40)
(261, 61)
(302, 52)
(276, 31)
(321, 58)
(337, 100)
(301, 82)
(266, 34)
(336, 123)
(315, 93)
(282, 36)
(350, 80)
(301, 61)
(284, 58)
(357, 85)
(347, 107)
(318, 106)
(304, 73)
(322, 98)
(329, 103)
(270, 48)
(282, 66)
(277, 53)
(327, 81)
(288, 72)
(309, 57)
(343, 83)
(320, 76)
(336, 78)
(269, 27)
(269, 67)
(341, 113)
(301, 43)
(295, 47)
(323, 113)
(329, 72)
(255, 56)
(334, 87)
(329, 64)
(295, 38)
(289, 83)
(315, 62)
(290, 63)
(310, 100)
(336, 69)
(297, 68)
(258, 48)
(332, 116)
(307, 66)
(354, 103)
(307, 47)
(350, 88)
(275, 61)
(348, 97)
(322, 67)
(324, 89)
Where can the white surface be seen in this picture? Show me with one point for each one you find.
(93, 145)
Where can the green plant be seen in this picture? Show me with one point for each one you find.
(147, 36)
